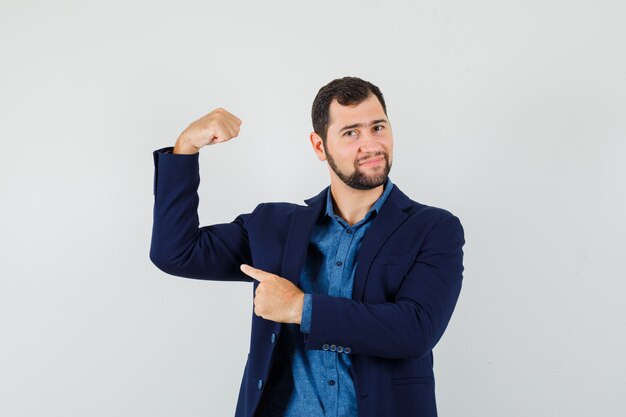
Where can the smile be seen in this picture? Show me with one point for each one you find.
(372, 161)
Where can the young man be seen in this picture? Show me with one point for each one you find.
(351, 292)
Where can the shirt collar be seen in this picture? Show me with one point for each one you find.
(375, 207)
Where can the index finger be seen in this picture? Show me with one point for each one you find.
(255, 273)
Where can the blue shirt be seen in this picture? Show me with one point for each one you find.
(312, 383)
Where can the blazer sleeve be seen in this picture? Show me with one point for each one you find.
(410, 326)
(179, 246)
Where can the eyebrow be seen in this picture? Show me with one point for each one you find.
(373, 122)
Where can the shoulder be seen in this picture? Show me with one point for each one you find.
(431, 212)
(420, 211)
(273, 210)
(425, 220)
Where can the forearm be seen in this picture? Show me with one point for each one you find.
(391, 330)
(175, 217)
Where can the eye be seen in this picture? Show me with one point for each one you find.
(381, 126)
(348, 132)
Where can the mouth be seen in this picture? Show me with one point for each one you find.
(372, 161)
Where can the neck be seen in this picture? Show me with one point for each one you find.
(352, 204)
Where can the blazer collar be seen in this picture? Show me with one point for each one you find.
(318, 198)
(391, 215)
(401, 200)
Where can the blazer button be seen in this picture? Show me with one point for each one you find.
(333, 348)
(260, 384)
(273, 337)
(347, 350)
(325, 346)
(339, 349)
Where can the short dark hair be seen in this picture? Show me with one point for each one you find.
(347, 91)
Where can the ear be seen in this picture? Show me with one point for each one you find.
(318, 146)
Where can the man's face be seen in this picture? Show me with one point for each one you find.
(359, 143)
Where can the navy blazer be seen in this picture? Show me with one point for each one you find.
(408, 277)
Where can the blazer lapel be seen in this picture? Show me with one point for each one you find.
(300, 228)
(391, 215)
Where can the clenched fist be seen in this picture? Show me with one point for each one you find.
(215, 127)
(276, 298)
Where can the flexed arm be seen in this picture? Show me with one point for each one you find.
(179, 246)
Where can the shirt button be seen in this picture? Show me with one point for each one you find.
(331, 382)
(260, 384)
(338, 263)
(325, 346)
(348, 231)
(333, 347)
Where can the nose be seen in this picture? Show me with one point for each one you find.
(371, 146)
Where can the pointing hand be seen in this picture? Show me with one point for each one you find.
(275, 298)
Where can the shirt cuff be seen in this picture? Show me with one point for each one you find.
(305, 321)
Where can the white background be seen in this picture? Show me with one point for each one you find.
(509, 114)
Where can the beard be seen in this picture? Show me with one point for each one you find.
(360, 179)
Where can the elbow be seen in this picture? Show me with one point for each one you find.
(423, 336)
(161, 262)
(420, 349)
(418, 346)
